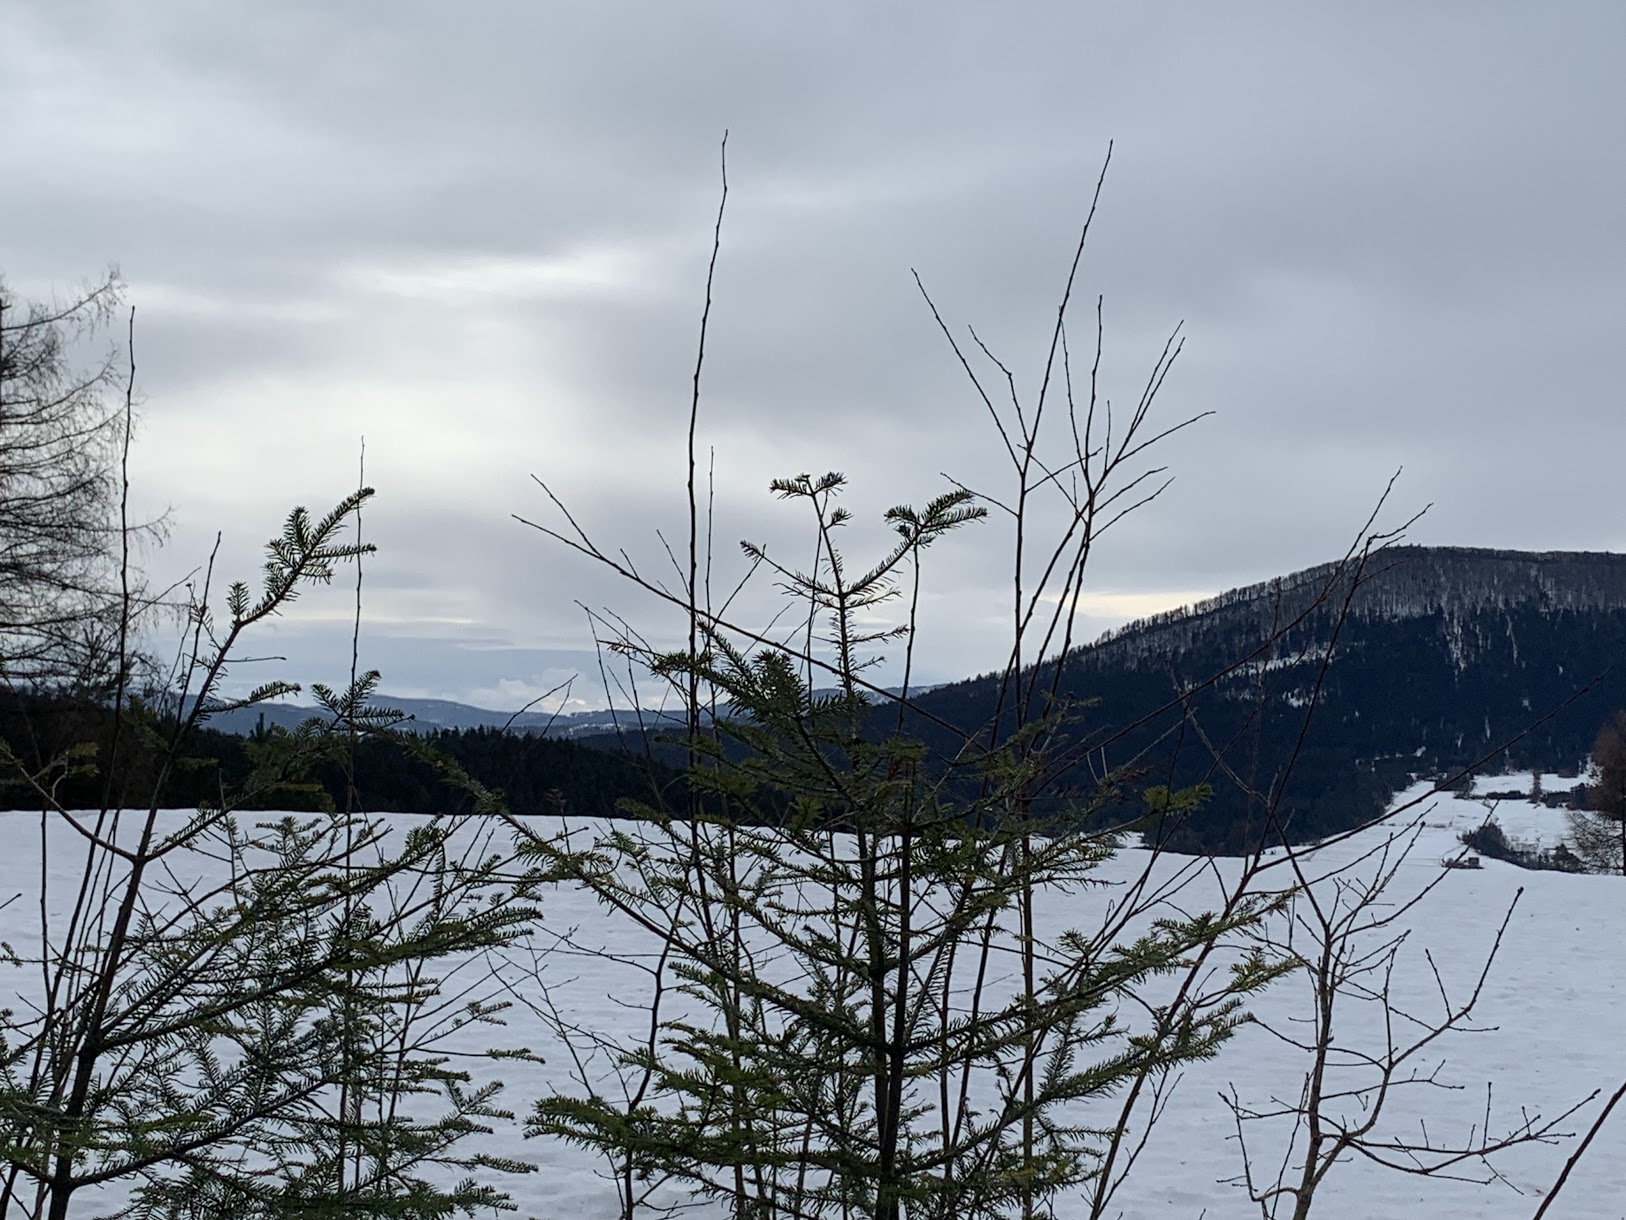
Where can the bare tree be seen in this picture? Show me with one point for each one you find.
(64, 434)
(863, 1015)
(1598, 834)
(1343, 933)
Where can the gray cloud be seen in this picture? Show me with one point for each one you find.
(477, 235)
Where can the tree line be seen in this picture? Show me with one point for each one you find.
(532, 775)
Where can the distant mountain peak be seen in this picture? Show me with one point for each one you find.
(1397, 583)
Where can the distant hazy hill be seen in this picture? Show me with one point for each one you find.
(429, 715)
(1444, 654)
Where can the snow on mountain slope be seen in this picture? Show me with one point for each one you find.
(1550, 1020)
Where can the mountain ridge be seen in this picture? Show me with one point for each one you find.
(1445, 657)
(1392, 587)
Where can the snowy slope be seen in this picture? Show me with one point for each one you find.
(1551, 1016)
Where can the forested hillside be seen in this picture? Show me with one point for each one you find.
(1323, 692)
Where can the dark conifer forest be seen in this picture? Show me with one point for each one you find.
(1323, 693)
(532, 775)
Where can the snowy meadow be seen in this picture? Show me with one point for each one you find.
(1543, 1037)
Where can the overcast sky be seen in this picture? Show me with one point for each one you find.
(476, 234)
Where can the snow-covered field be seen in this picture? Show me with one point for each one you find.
(1550, 1022)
